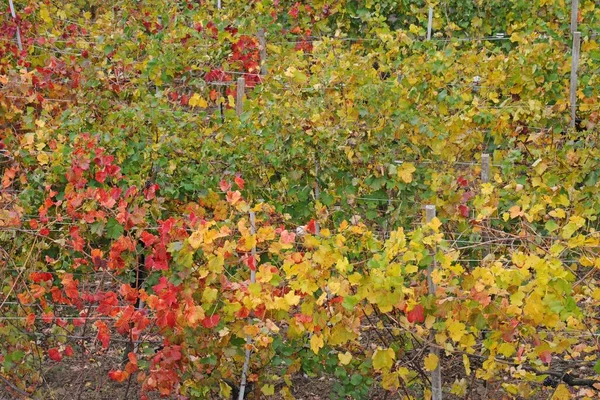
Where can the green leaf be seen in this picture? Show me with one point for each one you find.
(356, 379)
(551, 225)
(114, 230)
(597, 366)
(350, 302)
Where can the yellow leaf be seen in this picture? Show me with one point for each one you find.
(195, 239)
(342, 265)
(44, 14)
(268, 390)
(487, 189)
(249, 242)
(251, 330)
(459, 387)
(429, 321)
(316, 343)
(345, 358)
(390, 381)
(231, 101)
(405, 172)
(291, 298)
(557, 213)
(506, 349)
(225, 390)
(435, 224)
(455, 329)
(515, 211)
(411, 269)
(210, 236)
(414, 29)
(43, 158)
(216, 264)
(334, 287)
(340, 334)
(561, 393)
(197, 101)
(467, 364)
(383, 359)
(264, 274)
(575, 222)
(431, 362)
(209, 295)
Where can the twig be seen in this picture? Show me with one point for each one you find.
(15, 388)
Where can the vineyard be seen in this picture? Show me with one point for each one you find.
(275, 199)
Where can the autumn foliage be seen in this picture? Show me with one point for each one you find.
(128, 185)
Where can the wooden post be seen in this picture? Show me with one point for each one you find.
(253, 232)
(485, 178)
(317, 193)
(219, 5)
(429, 216)
(574, 68)
(239, 98)
(262, 46)
(485, 168)
(436, 374)
(574, 15)
(248, 339)
(14, 15)
(430, 23)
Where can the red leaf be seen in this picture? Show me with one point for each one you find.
(69, 351)
(30, 320)
(97, 258)
(520, 353)
(150, 192)
(467, 196)
(211, 322)
(48, 317)
(417, 314)
(250, 261)
(130, 294)
(233, 197)
(37, 277)
(546, 356)
(294, 11)
(118, 375)
(462, 182)
(132, 365)
(311, 227)
(287, 237)
(224, 185)
(103, 333)
(239, 181)
(54, 354)
(148, 239)
(303, 318)
(464, 210)
(242, 313)
(260, 311)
